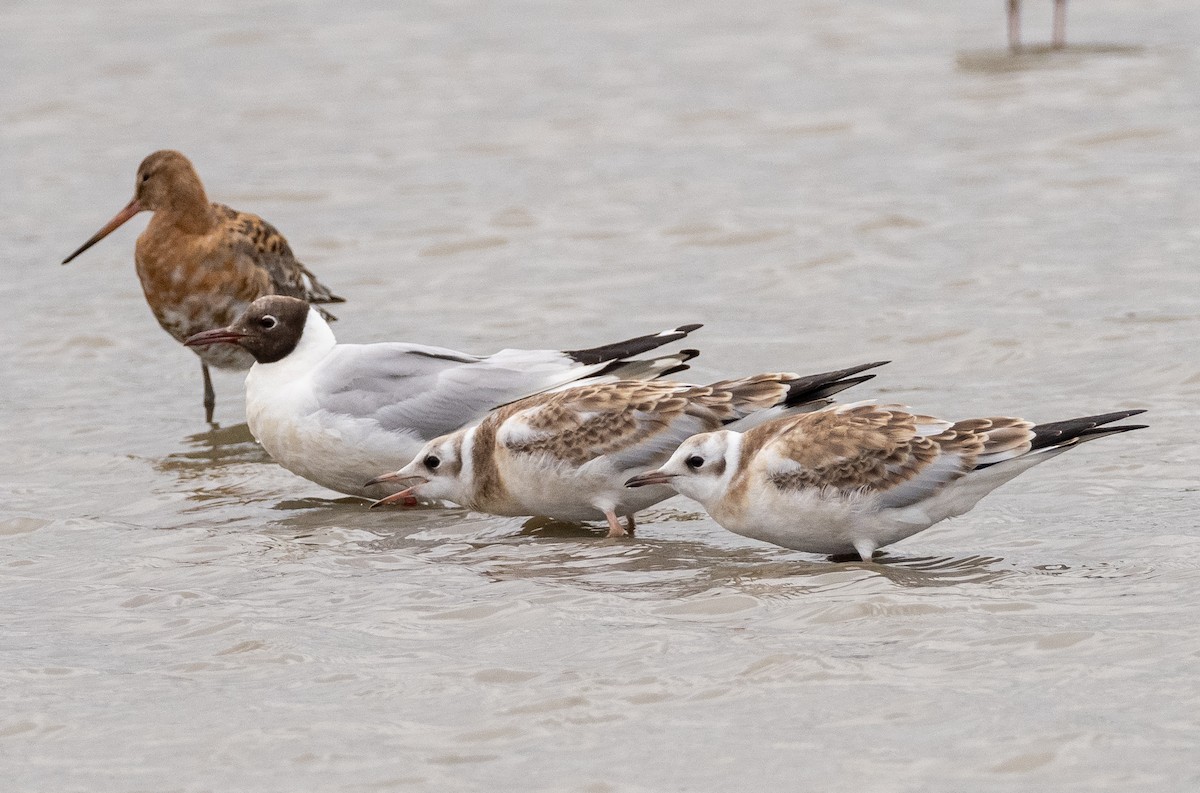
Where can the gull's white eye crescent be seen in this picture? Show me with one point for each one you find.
(268, 322)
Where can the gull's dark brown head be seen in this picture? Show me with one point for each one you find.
(165, 180)
(269, 329)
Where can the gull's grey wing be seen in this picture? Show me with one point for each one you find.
(430, 391)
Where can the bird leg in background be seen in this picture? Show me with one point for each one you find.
(614, 528)
(1058, 38)
(1014, 25)
(630, 526)
(210, 397)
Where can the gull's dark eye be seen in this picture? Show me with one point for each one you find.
(268, 322)
(146, 176)
(694, 462)
(432, 462)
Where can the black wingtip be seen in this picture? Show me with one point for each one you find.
(838, 374)
(826, 384)
(630, 347)
(1058, 432)
(683, 367)
(1124, 428)
(682, 356)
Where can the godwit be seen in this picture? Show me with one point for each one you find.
(1058, 36)
(201, 264)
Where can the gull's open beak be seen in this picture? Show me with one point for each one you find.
(216, 336)
(131, 209)
(396, 476)
(407, 493)
(650, 478)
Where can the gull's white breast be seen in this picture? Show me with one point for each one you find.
(334, 450)
(337, 451)
(540, 485)
(815, 521)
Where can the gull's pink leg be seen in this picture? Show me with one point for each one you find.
(614, 528)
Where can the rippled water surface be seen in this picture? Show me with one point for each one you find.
(821, 183)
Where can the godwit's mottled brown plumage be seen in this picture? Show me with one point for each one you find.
(201, 264)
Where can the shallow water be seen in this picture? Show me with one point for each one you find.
(821, 183)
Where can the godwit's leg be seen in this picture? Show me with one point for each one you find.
(1014, 25)
(614, 528)
(1059, 36)
(630, 526)
(210, 398)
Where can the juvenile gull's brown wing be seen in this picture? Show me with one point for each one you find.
(862, 448)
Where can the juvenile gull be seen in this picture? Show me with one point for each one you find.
(854, 478)
(338, 414)
(566, 455)
(201, 263)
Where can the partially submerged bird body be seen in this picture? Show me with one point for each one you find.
(566, 455)
(201, 264)
(854, 478)
(339, 414)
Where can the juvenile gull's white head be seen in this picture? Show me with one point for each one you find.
(441, 471)
(701, 468)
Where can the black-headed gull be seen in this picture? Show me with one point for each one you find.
(566, 455)
(338, 414)
(853, 478)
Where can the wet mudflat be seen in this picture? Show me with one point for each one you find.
(821, 184)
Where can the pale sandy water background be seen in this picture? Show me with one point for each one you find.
(822, 183)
